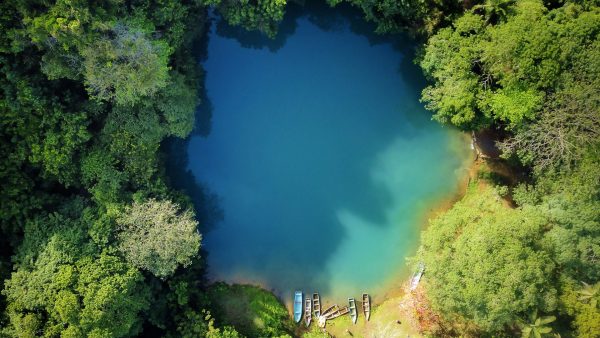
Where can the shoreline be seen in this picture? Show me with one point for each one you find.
(469, 166)
(393, 289)
(393, 295)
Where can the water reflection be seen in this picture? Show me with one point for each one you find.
(327, 18)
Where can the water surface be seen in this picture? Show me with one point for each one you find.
(321, 158)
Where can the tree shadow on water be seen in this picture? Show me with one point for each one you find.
(327, 18)
(256, 39)
(203, 116)
(206, 203)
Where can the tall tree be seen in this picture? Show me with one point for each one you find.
(125, 65)
(158, 237)
(64, 285)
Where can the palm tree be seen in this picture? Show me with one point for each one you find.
(536, 327)
(589, 293)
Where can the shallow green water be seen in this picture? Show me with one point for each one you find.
(320, 163)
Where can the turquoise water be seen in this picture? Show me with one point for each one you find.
(319, 163)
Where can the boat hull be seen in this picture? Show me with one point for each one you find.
(298, 306)
(366, 306)
(316, 305)
(307, 311)
(352, 308)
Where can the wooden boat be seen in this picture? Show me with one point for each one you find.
(353, 312)
(332, 312)
(344, 310)
(366, 303)
(316, 303)
(339, 312)
(307, 310)
(329, 310)
(298, 306)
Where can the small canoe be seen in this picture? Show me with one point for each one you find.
(352, 306)
(366, 303)
(316, 302)
(298, 306)
(339, 312)
(307, 311)
(330, 310)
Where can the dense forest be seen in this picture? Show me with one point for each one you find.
(95, 242)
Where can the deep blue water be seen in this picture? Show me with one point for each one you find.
(319, 163)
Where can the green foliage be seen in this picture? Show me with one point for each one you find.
(537, 326)
(576, 303)
(492, 265)
(177, 104)
(89, 90)
(100, 175)
(569, 123)
(495, 10)
(157, 237)
(263, 15)
(64, 286)
(485, 72)
(253, 311)
(87, 94)
(484, 263)
(125, 65)
(589, 294)
(42, 135)
(315, 332)
(132, 136)
(392, 16)
(448, 59)
(571, 204)
(515, 106)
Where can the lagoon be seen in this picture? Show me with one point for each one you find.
(314, 164)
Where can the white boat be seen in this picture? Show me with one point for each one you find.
(416, 278)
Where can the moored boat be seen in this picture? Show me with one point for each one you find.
(316, 303)
(329, 310)
(414, 281)
(352, 307)
(307, 310)
(297, 306)
(366, 303)
(339, 312)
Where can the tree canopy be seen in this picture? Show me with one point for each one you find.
(157, 237)
(483, 265)
(507, 72)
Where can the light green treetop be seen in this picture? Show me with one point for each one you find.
(156, 236)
